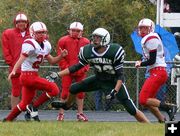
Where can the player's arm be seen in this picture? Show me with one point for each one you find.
(150, 61)
(17, 65)
(53, 60)
(6, 51)
(70, 70)
(120, 78)
(118, 65)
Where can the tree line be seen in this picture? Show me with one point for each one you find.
(119, 17)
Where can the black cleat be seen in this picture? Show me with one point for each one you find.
(172, 112)
(33, 112)
(27, 116)
(59, 105)
(4, 120)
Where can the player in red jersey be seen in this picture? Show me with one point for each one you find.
(72, 43)
(12, 40)
(34, 51)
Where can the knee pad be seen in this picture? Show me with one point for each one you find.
(80, 95)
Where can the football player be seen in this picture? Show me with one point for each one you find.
(107, 60)
(34, 51)
(153, 54)
(72, 43)
(12, 40)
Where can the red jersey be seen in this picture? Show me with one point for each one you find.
(11, 45)
(73, 47)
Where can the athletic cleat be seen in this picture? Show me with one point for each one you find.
(27, 116)
(4, 120)
(59, 105)
(172, 112)
(81, 117)
(60, 117)
(33, 112)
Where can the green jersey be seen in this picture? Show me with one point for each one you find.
(105, 64)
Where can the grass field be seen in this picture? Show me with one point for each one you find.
(68, 128)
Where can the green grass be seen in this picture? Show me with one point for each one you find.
(53, 128)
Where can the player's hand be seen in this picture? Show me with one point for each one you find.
(10, 75)
(112, 94)
(138, 64)
(64, 52)
(52, 76)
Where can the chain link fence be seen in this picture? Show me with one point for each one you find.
(134, 79)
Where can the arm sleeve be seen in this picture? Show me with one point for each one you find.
(63, 63)
(75, 67)
(120, 75)
(119, 59)
(82, 58)
(5, 48)
(151, 60)
(27, 49)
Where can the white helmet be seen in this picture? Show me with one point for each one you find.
(76, 25)
(21, 17)
(104, 34)
(38, 27)
(146, 22)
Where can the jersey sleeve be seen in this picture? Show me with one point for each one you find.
(27, 49)
(82, 58)
(119, 58)
(49, 46)
(152, 44)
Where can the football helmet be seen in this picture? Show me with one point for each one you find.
(38, 31)
(21, 17)
(76, 30)
(148, 23)
(104, 34)
(76, 25)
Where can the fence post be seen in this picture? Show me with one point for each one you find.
(178, 92)
(137, 87)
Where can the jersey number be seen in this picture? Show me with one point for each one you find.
(39, 61)
(105, 68)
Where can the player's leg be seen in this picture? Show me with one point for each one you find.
(87, 85)
(16, 91)
(124, 98)
(148, 93)
(65, 83)
(49, 89)
(80, 101)
(27, 96)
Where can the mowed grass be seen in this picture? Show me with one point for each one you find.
(68, 128)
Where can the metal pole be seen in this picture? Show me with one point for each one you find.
(137, 87)
(178, 93)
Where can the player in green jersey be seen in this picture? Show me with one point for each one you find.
(107, 60)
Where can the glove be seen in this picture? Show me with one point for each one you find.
(52, 76)
(112, 94)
